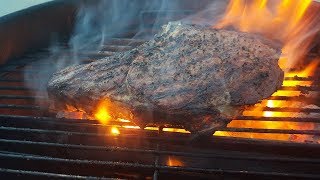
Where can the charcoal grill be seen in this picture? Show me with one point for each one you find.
(35, 144)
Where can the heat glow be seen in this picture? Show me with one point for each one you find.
(115, 131)
(173, 161)
(258, 111)
(285, 21)
(103, 114)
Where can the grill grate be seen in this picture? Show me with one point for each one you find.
(36, 144)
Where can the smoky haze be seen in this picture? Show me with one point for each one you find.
(99, 21)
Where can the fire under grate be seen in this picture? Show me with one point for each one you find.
(36, 144)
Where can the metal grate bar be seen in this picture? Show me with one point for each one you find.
(15, 120)
(300, 88)
(73, 124)
(47, 119)
(273, 131)
(59, 124)
(11, 80)
(290, 109)
(48, 144)
(139, 134)
(288, 119)
(161, 152)
(293, 98)
(38, 174)
(14, 88)
(126, 165)
(13, 106)
(297, 78)
(253, 130)
(21, 97)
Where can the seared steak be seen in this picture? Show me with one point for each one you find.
(195, 76)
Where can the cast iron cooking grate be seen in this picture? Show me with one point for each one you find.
(36, 144)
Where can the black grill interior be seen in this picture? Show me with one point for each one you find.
(36, 144)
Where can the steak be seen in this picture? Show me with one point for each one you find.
(189, 75)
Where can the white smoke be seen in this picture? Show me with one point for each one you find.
(99, 21)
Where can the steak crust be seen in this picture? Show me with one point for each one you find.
(194, 76)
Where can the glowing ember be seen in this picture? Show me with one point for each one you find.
(115, 131)
(173, 161)
(175, 130)
(131, 127)
(103, 114)
(152, 128)
(281, 92)
(71, 113)
(107, 110)
(123, 120)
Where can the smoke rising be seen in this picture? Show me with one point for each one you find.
(97, 22)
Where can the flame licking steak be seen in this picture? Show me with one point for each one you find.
(191, 75)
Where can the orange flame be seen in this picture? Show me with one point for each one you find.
(173, 161)
(108, 110)
(115, 131)
(103, 114)
(284, 21)
(256, 16)
(308, 71)
(258, 111)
